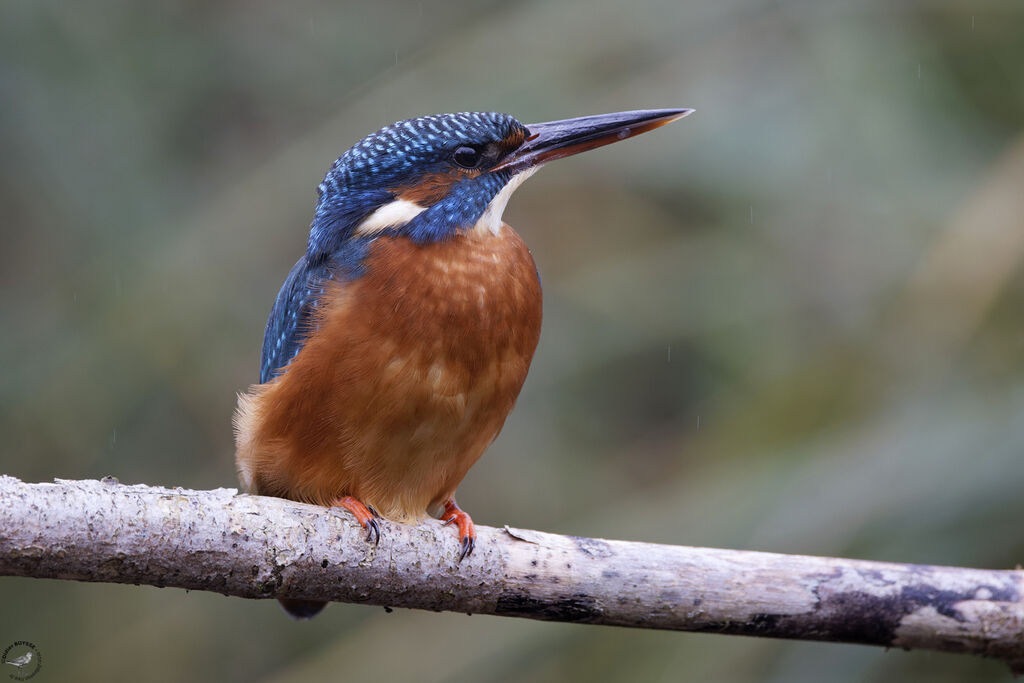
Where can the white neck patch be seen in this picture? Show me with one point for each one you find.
(490, 219)
(390, 215)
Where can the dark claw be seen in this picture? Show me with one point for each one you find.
(373, 511)
(373, 531)
(449, 521)
(468, 543)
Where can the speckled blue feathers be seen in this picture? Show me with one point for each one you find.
(390, 154)
(290, 317)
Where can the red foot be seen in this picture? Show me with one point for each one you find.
(366, 516)
(453, 514)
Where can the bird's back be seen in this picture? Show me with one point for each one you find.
(405, 375)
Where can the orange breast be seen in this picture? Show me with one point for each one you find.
(409, 376)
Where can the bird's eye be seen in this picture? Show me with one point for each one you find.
(467, 157)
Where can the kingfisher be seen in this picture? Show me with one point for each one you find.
(400, 339)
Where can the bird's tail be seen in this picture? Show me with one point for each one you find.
(302, 609)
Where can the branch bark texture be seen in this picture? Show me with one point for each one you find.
(258, 547)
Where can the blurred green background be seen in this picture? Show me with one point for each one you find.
(791, 322)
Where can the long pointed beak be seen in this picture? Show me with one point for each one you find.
(558, 139)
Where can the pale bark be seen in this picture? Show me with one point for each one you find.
(257, 547)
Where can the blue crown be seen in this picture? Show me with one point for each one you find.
(392, 152)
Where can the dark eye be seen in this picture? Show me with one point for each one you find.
(467, 157)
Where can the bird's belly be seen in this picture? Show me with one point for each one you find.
(408, 377)
(423, 426)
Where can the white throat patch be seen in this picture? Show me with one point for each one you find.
(490, 219)
(390, 215)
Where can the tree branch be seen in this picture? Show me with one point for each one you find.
(257, 547)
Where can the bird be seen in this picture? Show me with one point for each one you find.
(400, 339)
(22, 661)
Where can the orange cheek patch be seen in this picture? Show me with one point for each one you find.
(432, 189)
(512, 141)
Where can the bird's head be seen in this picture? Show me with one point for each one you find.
(431, 177)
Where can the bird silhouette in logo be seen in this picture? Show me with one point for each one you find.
(22, 661)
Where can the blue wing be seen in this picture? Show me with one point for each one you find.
(289, 321)
(291, 317)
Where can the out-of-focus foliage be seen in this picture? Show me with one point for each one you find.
(791, 322)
